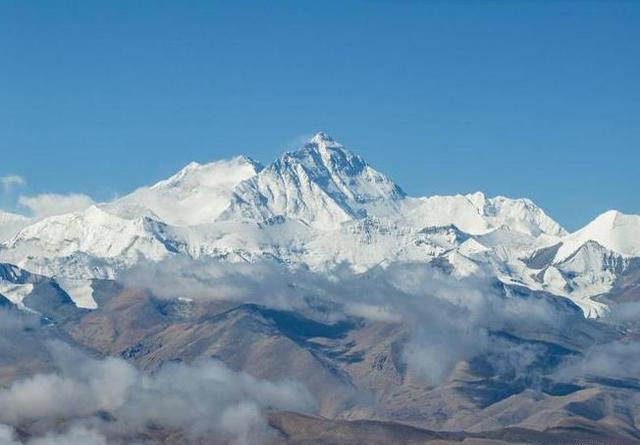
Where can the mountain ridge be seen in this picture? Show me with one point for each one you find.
(320, 206)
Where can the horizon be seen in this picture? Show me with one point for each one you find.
(537, 100)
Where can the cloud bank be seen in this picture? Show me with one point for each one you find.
(99, 398)
(446, 319)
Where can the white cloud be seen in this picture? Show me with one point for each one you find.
(48, 204)
(199, 400)
(372, 312)
(10, 181)
(77, 435)
(7, 435)
(74, 436)
(448, 320)
(616, 360)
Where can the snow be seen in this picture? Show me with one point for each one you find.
(14, 292)
(73, 244)
(556, 282)
(80, 292)
(476, 214)
(318, 207)
(94, 231)
(322, 184)
(197, 194)
(520, 215)
(613, 230)
(10, 224)
(472, 247)
(437, 211)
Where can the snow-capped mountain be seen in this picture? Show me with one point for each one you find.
(613, 230)
(93, 243)
(319, 207)
(323, 184)
(588, 262)
(476, 214)
(197, 194)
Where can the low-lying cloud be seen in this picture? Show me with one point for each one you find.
(76, 435)
(613, 360)
(108, 397)
(446, 319)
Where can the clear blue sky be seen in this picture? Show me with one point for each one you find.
(536, 99)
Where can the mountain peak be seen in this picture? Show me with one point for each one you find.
(610, 218)
(324, 149)
(323, 155)
(210, 172)
(612, 229)
(322, 183)
(242, 159)
(197, 194)
(322, 138)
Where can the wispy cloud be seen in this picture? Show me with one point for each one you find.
(10, 182)
(48, 204)
(198, 400)
(614, 360)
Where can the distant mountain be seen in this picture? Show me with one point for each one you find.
(318, 207)
(322, 184)
(197, 194)
(613, 230)
(89, 244)
(477, 214)
(312, 269)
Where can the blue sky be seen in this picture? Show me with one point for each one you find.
(536, 99)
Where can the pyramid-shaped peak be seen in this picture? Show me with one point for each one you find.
(323, 143)
(322, 184)
(322, 138)
(322, 151)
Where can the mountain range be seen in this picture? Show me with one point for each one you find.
(319, 207)
(460, 319)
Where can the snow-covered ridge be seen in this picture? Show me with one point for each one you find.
(613, 230)
(88, 243)
(477, 214)
(317, 207)
(197, 194)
